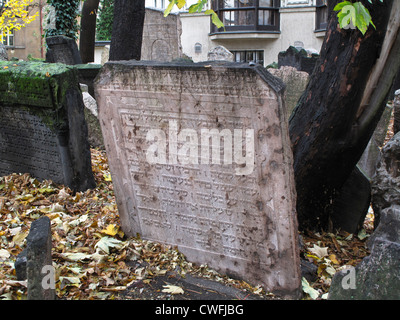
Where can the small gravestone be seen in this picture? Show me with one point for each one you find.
(377, 277)
(95, 135)
(3, 53)
(296, 82)
(39, 262)
(62, 49)
(298, 59)
(161, 36)
(220, 53)
(42, 126)
(200, 158)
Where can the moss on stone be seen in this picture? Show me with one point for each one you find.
(39, 88)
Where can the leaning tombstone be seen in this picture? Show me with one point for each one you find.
(200, 158)
(62, 49)
(42, 125)
(39, 272)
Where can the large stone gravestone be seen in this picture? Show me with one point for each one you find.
(42, 126)
(200, 159)
(62, 49)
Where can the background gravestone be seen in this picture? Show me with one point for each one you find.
(62, 49)
(241, 222)
(161, 36)
(298, 59)
(220, 53)
(296, 82)
(42, 126)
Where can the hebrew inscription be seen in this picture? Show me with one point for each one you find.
(27, 145)
(200, 160)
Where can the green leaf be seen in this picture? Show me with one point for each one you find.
(215, 19)
(169, 8)
(197, 7)
(181, 3)
(354, 15)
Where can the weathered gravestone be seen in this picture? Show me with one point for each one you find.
(161, 36)
(296, 82)
(228, 203)
(39, 262)
(42, 126)
(3, 53)
(298, 59)
(220, 53)
(62, 49)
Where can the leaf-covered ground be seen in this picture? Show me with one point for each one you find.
(93, 258)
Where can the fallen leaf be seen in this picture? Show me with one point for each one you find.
(75, 257)
(4, 254)
(172, 289)
(105, 243)
(111, 230)
(318, 251)
(308, 289)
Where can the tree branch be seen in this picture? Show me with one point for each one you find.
(382, 75)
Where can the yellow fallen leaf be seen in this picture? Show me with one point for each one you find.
(333, 258)
(107, 177)
(172, 289)
(111, 230)
(19, 238)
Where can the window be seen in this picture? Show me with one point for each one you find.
(7, 38)
(321, 15)
(198, 48)
(252, 15)
(256, 56)
(159, 4)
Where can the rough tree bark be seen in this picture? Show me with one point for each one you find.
(88, 30)
(339, 110)
(126, 39)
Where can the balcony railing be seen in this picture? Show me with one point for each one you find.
(248, 18)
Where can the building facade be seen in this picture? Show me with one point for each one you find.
(256, 30)
(27, 42)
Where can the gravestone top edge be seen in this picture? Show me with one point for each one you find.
(34, 83)
(275, 83)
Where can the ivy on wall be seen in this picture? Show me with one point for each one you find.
(66, 13)
(105, 20)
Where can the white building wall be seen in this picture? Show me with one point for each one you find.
(297, 24)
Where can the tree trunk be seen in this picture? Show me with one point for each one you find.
(126, 39)
(88, 30)
(339, 110)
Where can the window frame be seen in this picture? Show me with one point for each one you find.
(245, 53)
(252, 11)
(321, 24)
(8, 38)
